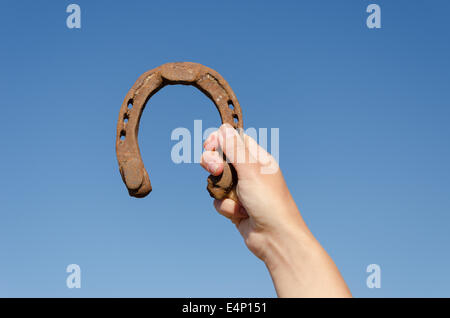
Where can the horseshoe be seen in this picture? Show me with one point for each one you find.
(207, 81)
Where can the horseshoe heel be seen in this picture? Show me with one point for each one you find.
(206, 80)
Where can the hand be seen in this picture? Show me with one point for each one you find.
(265, 205)
(268, 218)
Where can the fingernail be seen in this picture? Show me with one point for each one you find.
(210, 142)
(208, 146)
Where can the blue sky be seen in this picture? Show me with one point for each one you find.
(364, 143)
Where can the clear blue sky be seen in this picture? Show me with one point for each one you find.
(364, 143)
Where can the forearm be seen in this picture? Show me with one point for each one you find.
(300, 267)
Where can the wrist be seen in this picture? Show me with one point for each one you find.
(287, 245)
(300, 267)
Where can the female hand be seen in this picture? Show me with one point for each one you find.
(268, 218)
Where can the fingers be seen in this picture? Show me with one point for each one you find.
(211, 159)
(268, 163)
(241, 150)
(212, 142)
(230, 209)
(236, 151)
(212, 162)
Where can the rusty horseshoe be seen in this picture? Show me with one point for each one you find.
(206, 80)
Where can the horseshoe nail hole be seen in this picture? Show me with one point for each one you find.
(130, 104)
(125, 118)
(122, 135)
(230, 104)
(236, 119)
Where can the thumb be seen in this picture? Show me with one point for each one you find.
(236, 151)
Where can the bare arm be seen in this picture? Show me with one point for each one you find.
(269, 220)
